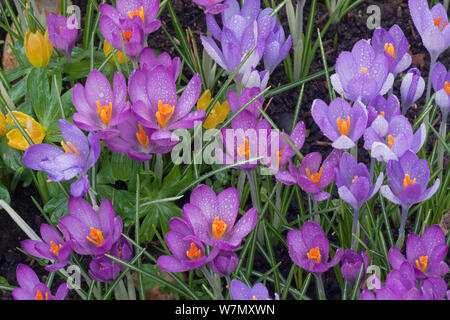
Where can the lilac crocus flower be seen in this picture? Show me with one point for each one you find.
(435, 288)
(354, 183)
(309, 248)
(150, 61)
(362, 74)
(351, 265)
(32, 289)
(156, 106)
(341, 123)
(102, 268)
(75, 160)
(426, 254)
(212, 6)
(312, 177)
(408, 182)
(411, 89)
(52, 248)
(240, 291)
(394, 45)
(255, 78)
(134, 141)
(100, 107)
(380, 112)
(441, 85)
(432, 26)
(276, 48)
(91, 232)
(237, 102)
(224, 263)
(62, 34)
(399, 139)
(213, 218)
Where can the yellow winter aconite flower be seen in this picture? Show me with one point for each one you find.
(107, 49)
(38, 48)
(15, 138)
(218, 113)
(2, 124)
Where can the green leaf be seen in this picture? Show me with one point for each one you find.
(174, 182)
(11, 157)
(57, 208)
(159, 213)
(4, 194)
(121, 166)
(148, 283)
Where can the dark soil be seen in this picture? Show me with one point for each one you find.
(351, 29)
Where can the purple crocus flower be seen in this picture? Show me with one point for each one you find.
(91, 232)
(408, 182)
(100, 107)
(441, 85)
(240, 291)
(52, 248)
(102, 268)
(394, 45)
(213, 218)
(351, 265)
(150, 61)
(237, 102)
(362, 74)
(435, 288)
(309, 248)
(156, 106)
(32, 289)
(311, 176)
(399, 139)
(134, 141)
(224, 263)
(380, 112)
(276, 48)
(411, 89)
(341, 123)
(212, 6)
(75, 160)
(426, 254)
(353, 181)
(62, 34)
(400, 285)
(432, 26)
(254, 78)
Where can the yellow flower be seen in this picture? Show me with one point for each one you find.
(218, 113)
(2, 124)
(15, 138)
(38, 48)
(107, 50)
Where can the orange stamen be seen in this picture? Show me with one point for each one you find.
(391, 140)
(139, 13)
(314, 254)
(254, 298)
(218, 228)
(127, 35)
(69, 147)
(363, 70)
(422, 263)
(60, 28)
(382, 113)
(105, 112)
(407, 180)
(389, 48)
(279, 155)
(164, 113)
(55, 248)
(343, 125)
(142, 137)
(96, 237)
(40, 296)
(314, 177)
(437, 22)
(194, 253)
(244, 150)
(447, 87)
(354, 179)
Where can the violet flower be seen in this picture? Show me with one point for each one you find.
(224, 263)
(156, 106)
(276, 48)
(380, 112)
(351, 265)
(362, 74)
(341, 123)
(134, 141)
(311, 176)
(213, 218)
(52, 248)
(254, 78)
(411, 89)
(399, 139)
(426, 254)
(75, 160)
(435, 288)
(309, 248)
(100, 107)
(62, 34)
(441, 85)
(149, 61)
(91, 232)
(394, 45)
(240, 291)
(212, 6)
(237, 102)
(32, 289)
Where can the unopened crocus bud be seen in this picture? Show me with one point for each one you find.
(2, 124)
(38, 48)
(411, 89)
(351, 265)
(63, 33)
(225, 263)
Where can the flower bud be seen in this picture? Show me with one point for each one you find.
(2, 124)
(38, 48)
(411, 89)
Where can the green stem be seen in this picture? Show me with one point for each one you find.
(355, 229)
(401, 231)
(315, 209)
(159, 167)
(212, 282)
(442, 132)
(320, 288)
